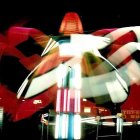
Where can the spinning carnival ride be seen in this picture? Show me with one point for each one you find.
(85, 76)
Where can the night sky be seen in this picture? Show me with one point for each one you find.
(47, 15)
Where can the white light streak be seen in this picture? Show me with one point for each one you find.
(77, 126)
(58, 100)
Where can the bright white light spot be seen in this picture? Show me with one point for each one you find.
(87, 109)
(37, 102)
(84, 100)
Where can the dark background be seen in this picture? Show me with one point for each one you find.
(47, 15)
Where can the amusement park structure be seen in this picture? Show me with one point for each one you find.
(88, 78)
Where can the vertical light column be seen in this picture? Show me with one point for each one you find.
(1, 118)
(68, 118)
(119, 124)
(61, 124)
(77, 104)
